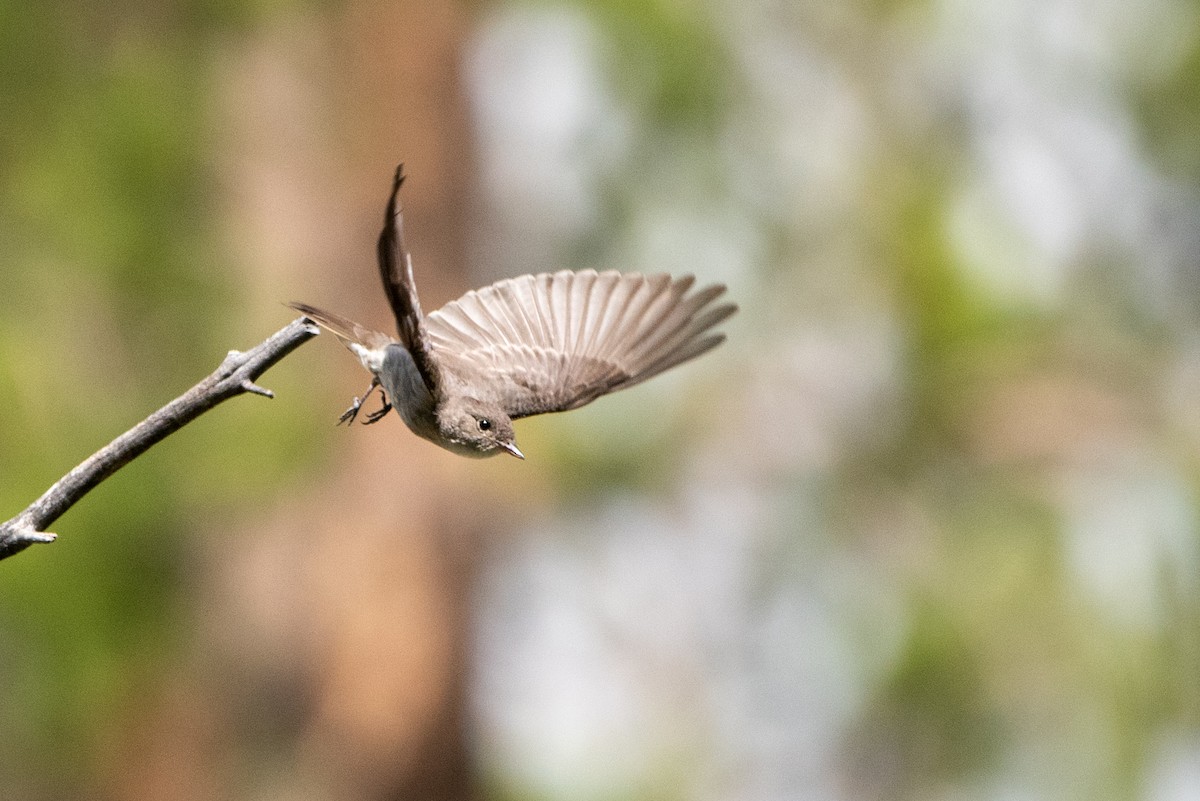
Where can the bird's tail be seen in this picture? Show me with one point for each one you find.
(348, 331)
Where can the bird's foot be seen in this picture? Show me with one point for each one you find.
(348, 417)
(378, 414)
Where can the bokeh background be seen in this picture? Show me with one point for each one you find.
(926, 527)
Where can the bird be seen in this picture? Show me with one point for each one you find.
(522, 346)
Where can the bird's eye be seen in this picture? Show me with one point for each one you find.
(485, 424)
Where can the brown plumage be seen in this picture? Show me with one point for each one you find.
(522, 346)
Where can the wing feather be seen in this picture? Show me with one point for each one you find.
(626, 294)
(560, 307)
(516, 303)
(629, 294)
(396, 272)
(556, 341)
(674, 324)
(600, 321)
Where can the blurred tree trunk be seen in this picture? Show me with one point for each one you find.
(332, 655)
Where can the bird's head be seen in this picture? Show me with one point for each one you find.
(476, 428)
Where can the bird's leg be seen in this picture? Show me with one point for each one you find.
(350, 414)
(378, 414)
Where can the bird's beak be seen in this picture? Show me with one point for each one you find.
(512, 448)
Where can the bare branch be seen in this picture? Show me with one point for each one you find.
(236, 375)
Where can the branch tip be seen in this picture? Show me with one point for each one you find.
(32, 535)
(250, 386)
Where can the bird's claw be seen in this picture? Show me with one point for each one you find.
(350, 415)
(378, 414)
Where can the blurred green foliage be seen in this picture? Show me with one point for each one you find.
(1006, 652)
(117, 296)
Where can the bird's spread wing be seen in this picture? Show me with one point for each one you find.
(395, 268)
(555, 341)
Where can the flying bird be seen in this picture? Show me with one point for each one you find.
(551, 342)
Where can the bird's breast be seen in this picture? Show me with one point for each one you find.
(407, 392)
